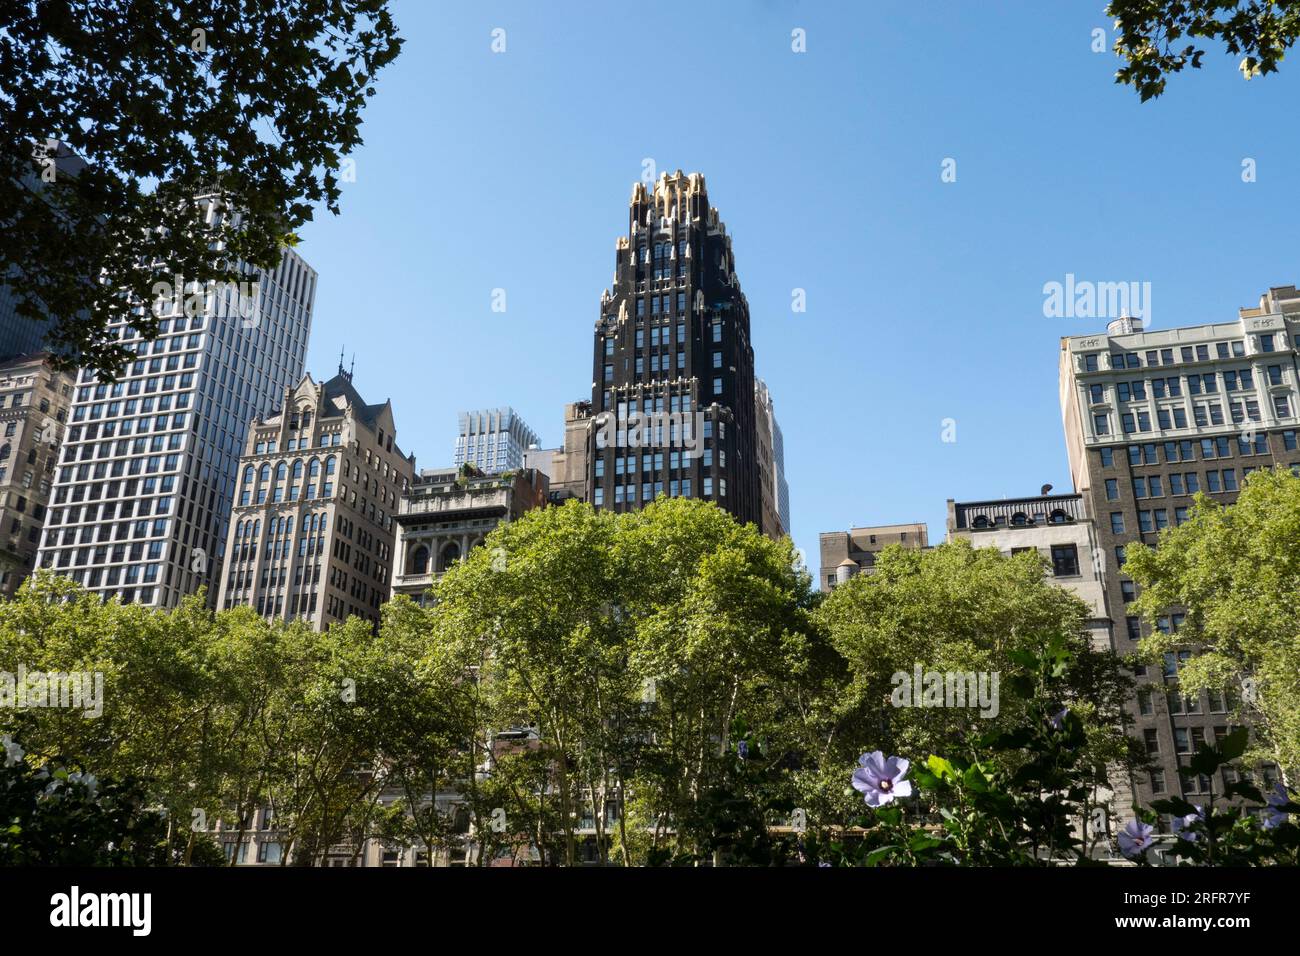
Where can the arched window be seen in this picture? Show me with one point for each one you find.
(313, 468)
(981, 522)
(248, 475)
(306, 522)
(449, 555)
(1059, 517)
(297, 470)
(265, 474)
(1019, 518)
(329, 465)
(281, 470)
(257, 527)
(419, 561)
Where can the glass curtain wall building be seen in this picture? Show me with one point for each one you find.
(142, 494)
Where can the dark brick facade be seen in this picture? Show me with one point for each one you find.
(673, 339)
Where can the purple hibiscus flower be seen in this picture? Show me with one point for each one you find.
(1135, 839)
(881, 780)
(1057, 720)
(1274, 815)
(1183, 825)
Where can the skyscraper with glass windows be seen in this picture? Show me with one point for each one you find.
(147, 471)
(493, 440)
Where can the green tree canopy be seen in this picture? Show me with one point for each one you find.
(1158, 38)
(1235, 570)
(961, 609)
(250, 104)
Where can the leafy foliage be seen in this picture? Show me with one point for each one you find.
(1160, 37)
(1235, 571)
(54, 816)
(247, 105)
(658, 687)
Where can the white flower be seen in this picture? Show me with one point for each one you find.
(13, 753)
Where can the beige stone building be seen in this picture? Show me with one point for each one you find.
(449, 511)
(34, 402)
(1059, 528)
(570, 465)
(1152, 417)
(312, 529)
(848, 553)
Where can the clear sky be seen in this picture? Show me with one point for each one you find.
(512, 171)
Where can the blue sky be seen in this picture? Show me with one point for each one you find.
(512, 170)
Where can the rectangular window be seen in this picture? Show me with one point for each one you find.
(1065, 560)
(1117, 522)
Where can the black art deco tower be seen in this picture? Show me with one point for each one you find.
(672, 342)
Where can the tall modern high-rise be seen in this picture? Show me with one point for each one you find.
(493, 440)
(1151, 418)
(312, 524)
(20, 335)
(782, 486)
(141, 500)
(673, 368)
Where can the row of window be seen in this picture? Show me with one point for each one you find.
(1268, 342)
(1210, 448)
(1180, 483)
(650, 490)
(1175, 416)
(329, 440)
